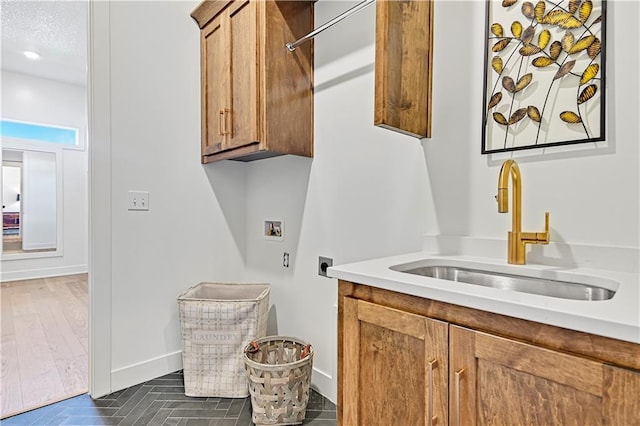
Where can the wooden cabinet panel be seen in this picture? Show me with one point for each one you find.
(214, 86)
(395, 367)
(404, 46)
(621, 397)
(386, 341)
(257, 97)
(243, 101)
(501, 381)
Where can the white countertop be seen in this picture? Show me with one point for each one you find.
(618, 317)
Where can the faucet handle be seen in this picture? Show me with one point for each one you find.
(543, 237)
(546, 222)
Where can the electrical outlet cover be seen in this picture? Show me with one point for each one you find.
(323, 264)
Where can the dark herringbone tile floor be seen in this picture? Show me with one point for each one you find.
(160, 402)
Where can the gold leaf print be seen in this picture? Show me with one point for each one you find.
(594, 49)
(509, 84)
(524, 81)
(516, 29)
(500, 45)
(499, 118)
(518, 115)
(555, 17)
(528, 10)
(534, 113)
(587, 93)
(529, 49)
(555, 49)
(568, 40)
(582, 44)
(543, 39)
(597, 20)
(496, 63)
(542, 62)
(573, 6)
(497, 30)
(507, 3)
(562, 19)
(570, 23)
(585, 10)
(570, 117)
(539, 11)
(528, 34)
(495, 100)
(564, 69)
(588, 74)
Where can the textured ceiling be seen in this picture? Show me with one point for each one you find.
(56, 29)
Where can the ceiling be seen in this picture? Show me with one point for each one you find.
(56, 29)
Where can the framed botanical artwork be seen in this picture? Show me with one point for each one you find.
(544, 74)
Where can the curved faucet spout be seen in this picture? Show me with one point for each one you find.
(511, 170)
(517, 239)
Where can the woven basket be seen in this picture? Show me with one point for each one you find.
(279, 370)
(217, 322)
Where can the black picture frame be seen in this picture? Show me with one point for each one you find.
(525, 98)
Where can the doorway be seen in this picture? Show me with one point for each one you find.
(44, 273)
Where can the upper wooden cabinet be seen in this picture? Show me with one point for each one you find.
(404, 60)
(257, 97)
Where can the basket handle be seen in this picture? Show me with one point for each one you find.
(252, 347)
(305, 351)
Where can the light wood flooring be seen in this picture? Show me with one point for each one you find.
(12, 244)
(44, 350)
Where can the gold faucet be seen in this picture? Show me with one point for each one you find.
(517, 239)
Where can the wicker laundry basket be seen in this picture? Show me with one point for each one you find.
(217, 321)
(279, 370)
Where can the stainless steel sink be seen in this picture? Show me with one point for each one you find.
(524, 284)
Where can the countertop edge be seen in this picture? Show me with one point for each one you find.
(618, 318)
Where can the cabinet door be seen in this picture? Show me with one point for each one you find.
(621, 397)
(215, 83)
(395, 367)
(243, 50)
(404, 62)
(494, 380)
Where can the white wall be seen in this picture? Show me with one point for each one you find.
(194, 229)
(368, 192)
(45, 101)
(590, 190)
(365, 193)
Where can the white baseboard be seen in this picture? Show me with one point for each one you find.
(134, 374)
(323, 383)
(30, 274)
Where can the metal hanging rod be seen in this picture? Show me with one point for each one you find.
(357, 8)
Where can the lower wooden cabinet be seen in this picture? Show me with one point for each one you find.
(408, 361)
(494, 380)
(393, 359)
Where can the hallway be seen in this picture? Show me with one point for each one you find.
(44, 341)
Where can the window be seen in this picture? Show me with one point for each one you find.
(39, 132)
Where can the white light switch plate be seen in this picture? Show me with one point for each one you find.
(138, 200)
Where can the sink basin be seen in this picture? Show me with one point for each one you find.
(504, 281)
